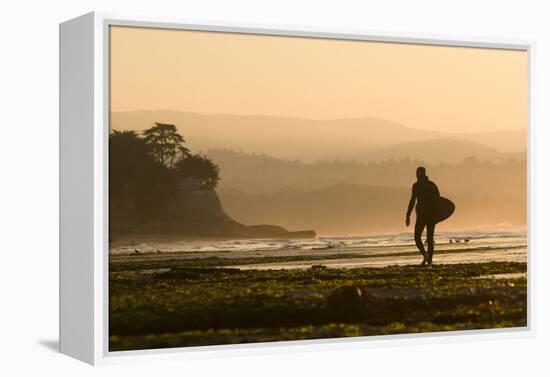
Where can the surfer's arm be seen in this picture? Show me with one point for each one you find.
(411, 203)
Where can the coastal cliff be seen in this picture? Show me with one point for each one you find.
(191, 212)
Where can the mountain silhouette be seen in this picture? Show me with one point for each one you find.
(305, 139)
(437, 151)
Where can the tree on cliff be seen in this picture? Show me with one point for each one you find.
(146, 169)
(200, 168)
(166, 143)
(135, 177)
(130, 161)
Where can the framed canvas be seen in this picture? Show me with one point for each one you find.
(230, 188)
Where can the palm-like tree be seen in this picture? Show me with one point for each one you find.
(166, 143)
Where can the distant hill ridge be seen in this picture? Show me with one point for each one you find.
(264, 173)
(310, 140)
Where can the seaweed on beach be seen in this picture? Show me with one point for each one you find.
(191, 304)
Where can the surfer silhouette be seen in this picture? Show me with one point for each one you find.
(425, 195)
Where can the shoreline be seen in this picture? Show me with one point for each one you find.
(140, 238)
(337, 257)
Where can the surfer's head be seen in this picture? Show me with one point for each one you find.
(421, 173)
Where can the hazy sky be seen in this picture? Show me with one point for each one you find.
(429, 87)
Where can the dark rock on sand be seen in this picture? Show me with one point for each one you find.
(348, 302)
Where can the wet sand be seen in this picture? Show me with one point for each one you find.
(348, 257)
(481, 255)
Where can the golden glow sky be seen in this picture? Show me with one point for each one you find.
(429, 87)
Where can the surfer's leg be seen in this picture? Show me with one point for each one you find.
(418, 230)
(430, 230)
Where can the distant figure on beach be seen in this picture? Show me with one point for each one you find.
(424, 194)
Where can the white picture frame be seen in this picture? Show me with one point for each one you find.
(84, 130)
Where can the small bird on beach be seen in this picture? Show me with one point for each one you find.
(450, 240)
(136, 251)
(467, 240)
